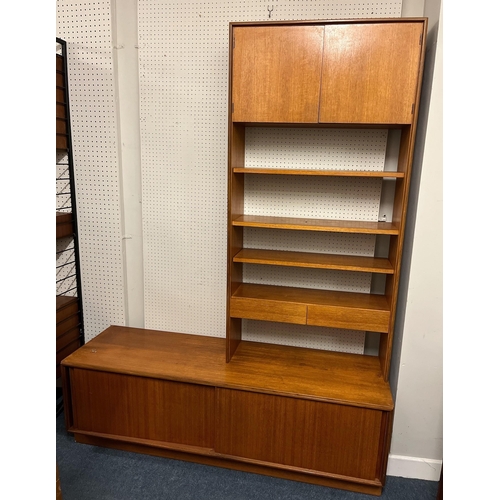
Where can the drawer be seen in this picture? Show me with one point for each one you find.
(60, 96)
(59, 63)
(65, 307)
(371, 320)
(268, 310)
(60, 80)
(61, 126)
(67, 338)
(61, 142)
(60, 110)
(68, 324)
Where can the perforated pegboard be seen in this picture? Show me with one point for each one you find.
(321, 149)
(183, 60)
(87, 28)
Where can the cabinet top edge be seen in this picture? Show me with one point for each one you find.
(423, 20)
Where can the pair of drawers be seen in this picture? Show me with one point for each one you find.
(352, 311)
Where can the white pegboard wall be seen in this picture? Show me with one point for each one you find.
(183, 66)
(321, 149)
(86, 26)
(313, 197)
(314, 337)
(309, 241)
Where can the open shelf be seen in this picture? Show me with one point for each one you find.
(305, 306)
(316, 172)
(334, 226)
(314, 260)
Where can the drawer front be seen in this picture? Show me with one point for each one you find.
(65, 312)
(267, 310)
(145, 408)
(68, 337)
(60, 110)
(346, 317)
(65, 326)
(306, 434)
(61, 126)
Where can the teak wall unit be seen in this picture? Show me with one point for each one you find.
(355, 73)
(310, 415)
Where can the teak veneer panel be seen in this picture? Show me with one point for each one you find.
(305, 434)
(370, 72)
(144, 408)
(256, 367)
(276, 73)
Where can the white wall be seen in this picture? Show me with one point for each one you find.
(417, 441)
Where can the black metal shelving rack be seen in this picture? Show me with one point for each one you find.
(68, 272)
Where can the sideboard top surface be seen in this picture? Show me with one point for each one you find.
(341, 378)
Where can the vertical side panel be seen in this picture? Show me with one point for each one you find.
(68, 403)
(235, 234)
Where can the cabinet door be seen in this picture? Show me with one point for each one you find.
(370, 72)
(143, 408)
(276, 73)
(308, 435)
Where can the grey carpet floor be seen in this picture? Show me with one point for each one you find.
(94, 473)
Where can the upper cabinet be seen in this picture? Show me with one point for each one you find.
(338, 72)
(370, 72)
(277, 73)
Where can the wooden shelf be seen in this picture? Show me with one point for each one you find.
(333, 377)
(64, 224)
(314, 260)
(312, 172)
(328, 225)
(304, 306)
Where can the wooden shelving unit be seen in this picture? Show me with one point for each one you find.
(375, 84)
(319, 84)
